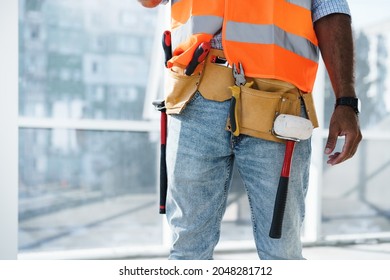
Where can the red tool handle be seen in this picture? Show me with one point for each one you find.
(199, 55)
(281, 195)
(167, 46)
(160, 106)
(163, 164)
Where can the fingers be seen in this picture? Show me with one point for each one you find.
(343, 125)
(332, 141)
(348, 151)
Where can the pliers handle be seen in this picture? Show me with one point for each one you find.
(239, 77)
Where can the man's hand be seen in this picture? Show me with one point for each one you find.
(334, 35)
(344, 122)
(150, 3)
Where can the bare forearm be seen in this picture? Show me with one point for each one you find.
(334, 35)
(149, 3)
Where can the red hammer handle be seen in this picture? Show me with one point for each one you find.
(281, 194)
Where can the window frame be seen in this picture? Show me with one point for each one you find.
(9, 129)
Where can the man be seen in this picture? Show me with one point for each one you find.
(277, 43)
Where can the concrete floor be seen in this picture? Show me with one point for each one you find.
(128, 228)
(347, 252)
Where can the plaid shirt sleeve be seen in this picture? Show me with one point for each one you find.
(321, 8)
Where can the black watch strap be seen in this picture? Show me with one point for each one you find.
(352, 102)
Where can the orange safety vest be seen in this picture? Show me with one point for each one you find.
(272, 39)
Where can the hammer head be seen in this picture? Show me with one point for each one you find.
(293, 128)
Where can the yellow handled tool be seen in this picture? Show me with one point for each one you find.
(234, 105)
(240, 80)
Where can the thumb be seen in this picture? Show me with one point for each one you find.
(331, 142)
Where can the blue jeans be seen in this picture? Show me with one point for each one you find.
(200, 158)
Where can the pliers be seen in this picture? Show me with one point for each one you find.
(239, 80)
(239, 77)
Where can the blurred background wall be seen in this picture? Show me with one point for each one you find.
(88, 147)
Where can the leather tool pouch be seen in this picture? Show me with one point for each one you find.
(260, 105)
(180, 89)
(211, 80)
(216, 79)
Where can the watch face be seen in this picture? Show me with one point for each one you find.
(359, 106)
(356, 105)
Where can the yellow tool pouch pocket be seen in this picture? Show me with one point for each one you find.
(216, 79)
(258, 110)
(259, 105)
(211, 80)
(181, 88)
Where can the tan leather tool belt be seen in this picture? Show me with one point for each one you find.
(258, 105)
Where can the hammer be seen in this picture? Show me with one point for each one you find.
(292, 129)
(160, 106)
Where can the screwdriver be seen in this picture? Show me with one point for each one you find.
(199, 55)
(167, 46)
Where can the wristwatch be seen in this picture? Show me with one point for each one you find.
(352, 102)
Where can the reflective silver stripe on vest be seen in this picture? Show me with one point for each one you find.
(302, 3)
(271, 34)
(196, 24)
